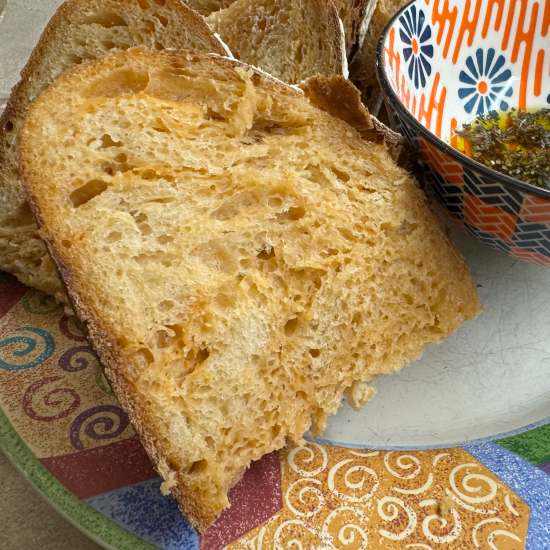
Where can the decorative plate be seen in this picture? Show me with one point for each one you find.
(453, 453)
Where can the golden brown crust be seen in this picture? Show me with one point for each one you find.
(339, 97)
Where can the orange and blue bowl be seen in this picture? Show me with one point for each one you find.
(441, 63)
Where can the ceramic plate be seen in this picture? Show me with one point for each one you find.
(453, 453)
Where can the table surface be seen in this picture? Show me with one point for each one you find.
(28, 521)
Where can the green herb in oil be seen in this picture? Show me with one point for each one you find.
(516, 143)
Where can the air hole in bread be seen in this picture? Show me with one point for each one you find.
(210, 114)
(356, 320)
(145, 353)
(87, 192)
(407, 228)
(149, 25)
(145, 229)
(160, 126)
(139, 217)
(108, 44)
(143, 4)
(120, 81)
(342, 176)
(107, 141)
(290, 326)
(66, 243)
(114, 236)
(267, 254)
(292, 214)
(274, 202)
(314, 352)
(160, 2)
(71, 59)
(105, 18)
(165, 239)
(8, 127)
(166, 305)
(163, 20)
(198, 467)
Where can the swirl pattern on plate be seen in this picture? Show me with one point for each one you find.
(338, 498)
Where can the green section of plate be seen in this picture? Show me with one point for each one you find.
(533, 445)
(83, 516)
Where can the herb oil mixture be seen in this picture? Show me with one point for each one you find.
(516, 143)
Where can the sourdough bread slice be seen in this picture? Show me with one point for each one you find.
(79, 31)
(356, 16)
(240, 258)
(289, 39)
(362, 66)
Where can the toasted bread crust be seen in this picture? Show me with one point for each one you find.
(339, 97)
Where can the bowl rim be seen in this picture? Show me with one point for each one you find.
(404, 113)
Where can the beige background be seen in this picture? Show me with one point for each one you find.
(28, 521)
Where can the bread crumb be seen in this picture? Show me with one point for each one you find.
(359, 394)
(446, 504)
(168, 483)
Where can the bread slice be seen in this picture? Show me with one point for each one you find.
(79, 31)
(240, 258)
(356, 16)
(289, 39)
(362, 66)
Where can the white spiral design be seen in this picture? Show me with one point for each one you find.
(349, 484)
(450, 536)
(438, 457)
(467, 506)
(356, 453)
(491, 537)
(394, 511)
(418, 491)
(473, 500)
(493, 534)
(293, 543)
(346, 535)
(509, 505)
(303, 491)
(304, 473)
(404, 466)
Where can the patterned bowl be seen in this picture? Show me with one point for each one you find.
(440, 64)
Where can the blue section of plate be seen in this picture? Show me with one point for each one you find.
(145, 512)
(527, 481)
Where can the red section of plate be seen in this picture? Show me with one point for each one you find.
(10, 294)
(253, 500)
(95, 471)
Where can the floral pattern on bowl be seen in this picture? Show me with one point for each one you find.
(441, 64)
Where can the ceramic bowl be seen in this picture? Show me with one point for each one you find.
(440, 64)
